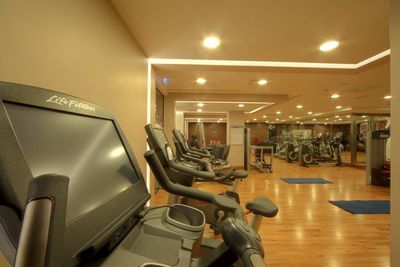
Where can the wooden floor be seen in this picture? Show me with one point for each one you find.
(309, 231)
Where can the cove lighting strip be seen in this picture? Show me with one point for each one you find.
(258, 109)
(275, 64)
(222, 102)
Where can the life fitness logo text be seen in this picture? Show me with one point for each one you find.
(62, 101)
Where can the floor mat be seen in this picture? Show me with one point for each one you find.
(364, 206)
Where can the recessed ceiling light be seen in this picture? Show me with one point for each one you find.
(348, 116)
(220, 119)
(340, 119)
(334, 96)
(325, 123)
(363, 116)
(299, 106)
(365, 120)
(264, 116)
(309, 113)
(211, 42)
(388, 97)
(277, 119)
(198, 120)
(262, 82)
(254, 119)
(335, 120)
(247, 121)
(297, 122)
(314, 119)
(337, 116)
(338, 107)
(241, 105)
(266, 121)
(328, 46)
(301, 123)
(327, 119)
(200, 105)
(201, 81)
(290, 117)
(199, 110)
(278, 112)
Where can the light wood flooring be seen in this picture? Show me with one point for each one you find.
(309, 231)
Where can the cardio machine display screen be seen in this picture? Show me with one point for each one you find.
(87, 150)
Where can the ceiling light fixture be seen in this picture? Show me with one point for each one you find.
(309, 113)
(325, 123)
(328, 46)
(264, 116)
(334, 96)
(388, 97)
(241, 105)
(247, 121)
(277, 119)
(262, 82)
(278, 112)
(363, 116)
(201, 81)
(327, 119)
(348, 116)
(199, 110)
(211, 42)
(297, 122)
(314, 119)
(337, 116)
(200, 105)
(299, 106)
(338, 107)
(254, 119)
(290, 117)
(340, 119)
(266, 121)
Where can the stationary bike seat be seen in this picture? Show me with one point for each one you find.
(239, 174)
(262, 206)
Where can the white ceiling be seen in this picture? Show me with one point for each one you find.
(270, 30)
(285, 30)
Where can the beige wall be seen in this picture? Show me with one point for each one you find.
(79, 47)
(395, 91)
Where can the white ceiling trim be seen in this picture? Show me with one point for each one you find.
(373, 58)
(274, 64)
(222, 102)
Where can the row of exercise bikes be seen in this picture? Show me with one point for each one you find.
(324, 148)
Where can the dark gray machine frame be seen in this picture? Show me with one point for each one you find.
(137, 237)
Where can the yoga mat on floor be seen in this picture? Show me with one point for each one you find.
(364, 206)
(306, 181)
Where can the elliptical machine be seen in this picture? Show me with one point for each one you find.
(181, 173)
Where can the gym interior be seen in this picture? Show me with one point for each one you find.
(200, 133)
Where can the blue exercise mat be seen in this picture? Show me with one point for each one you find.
(364, 206)
(306, 181)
